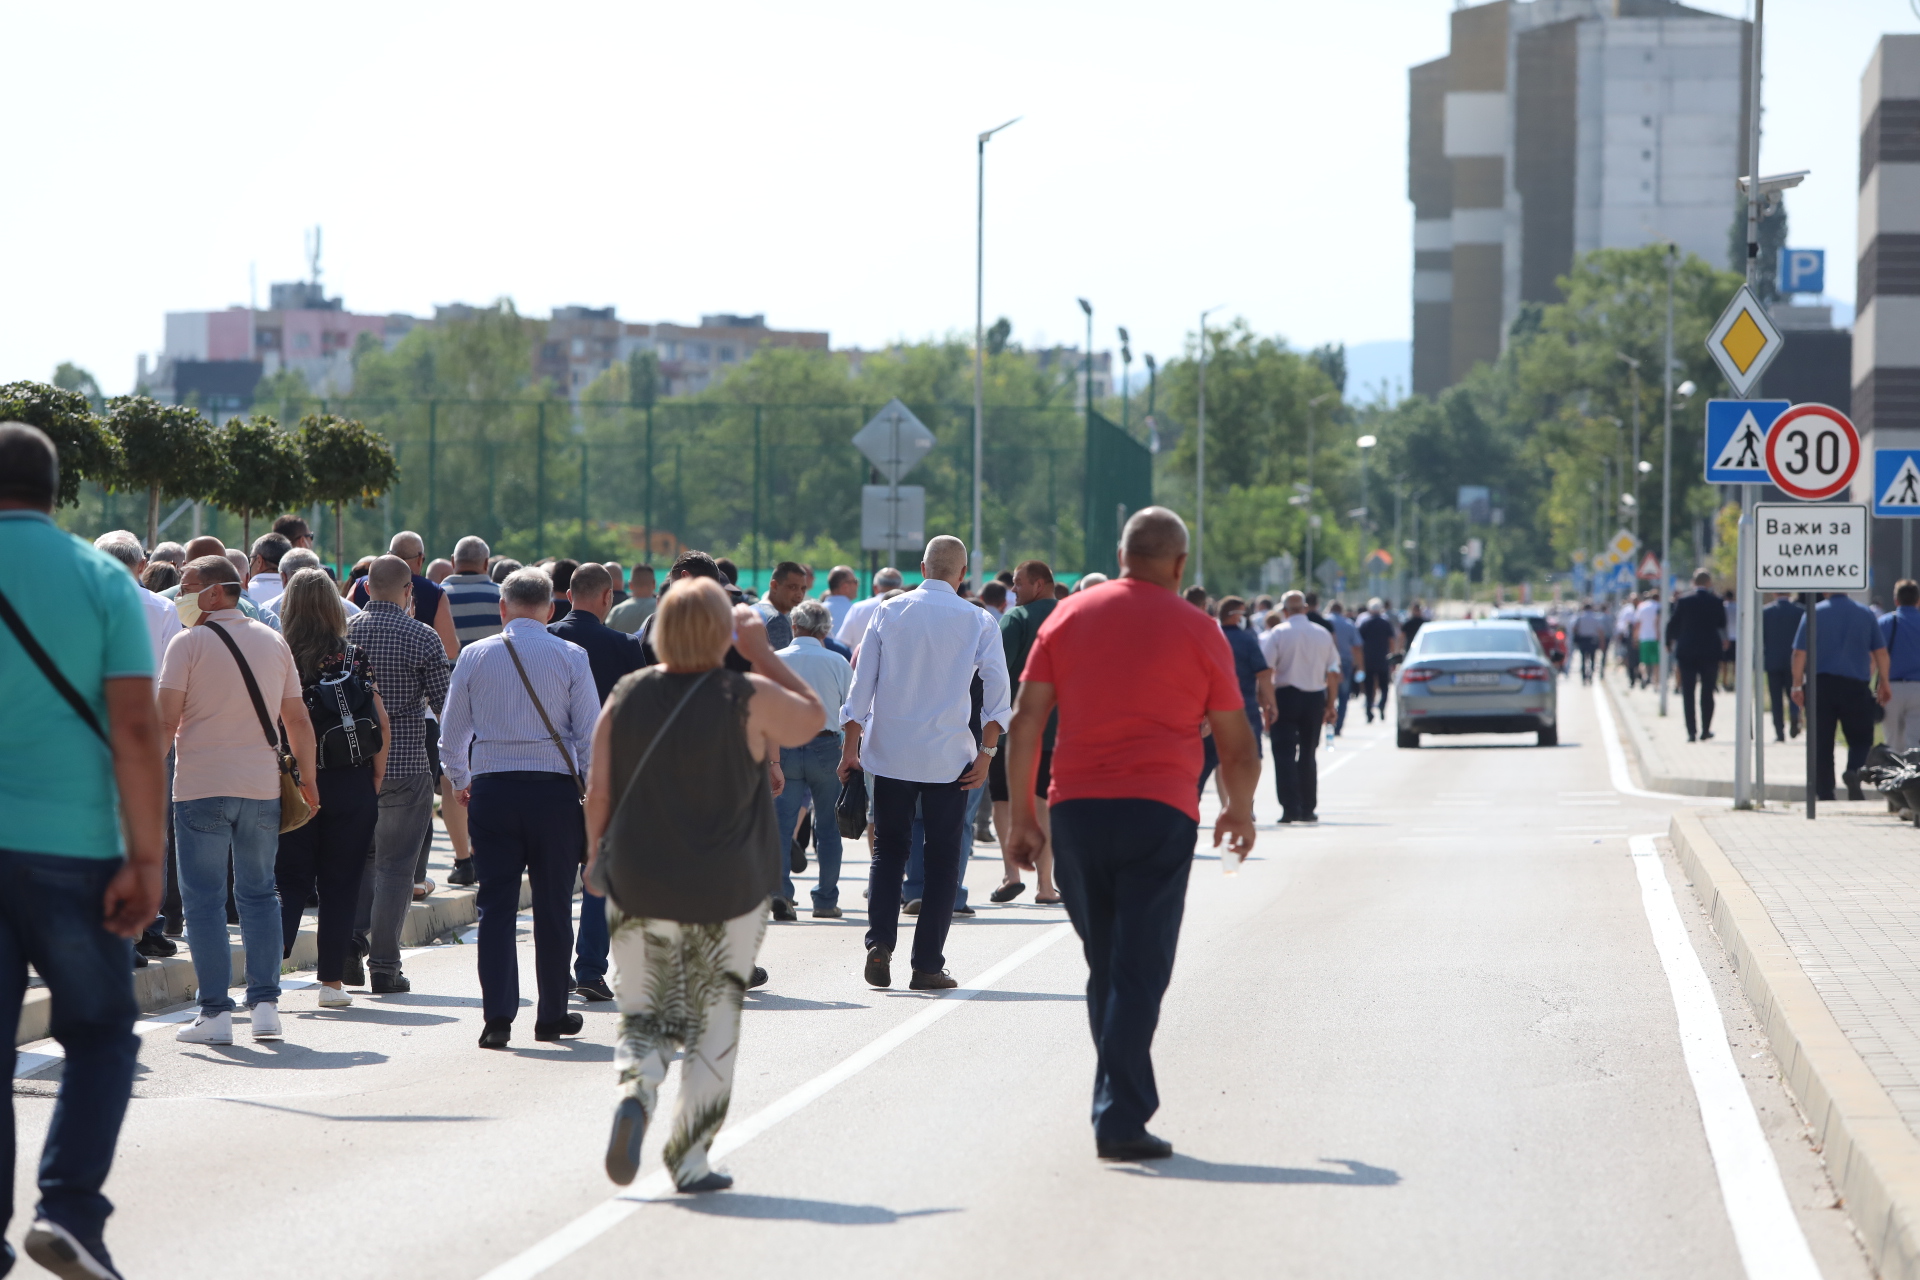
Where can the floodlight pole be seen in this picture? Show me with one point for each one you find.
(979, 335)
(1746, 738)
(1666, 487)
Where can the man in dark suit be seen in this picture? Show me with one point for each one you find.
(1697, 634)
(611, 654)
(1779, 623)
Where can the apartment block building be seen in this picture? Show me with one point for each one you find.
(1552, 128)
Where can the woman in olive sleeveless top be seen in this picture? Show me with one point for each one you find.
(686, 852)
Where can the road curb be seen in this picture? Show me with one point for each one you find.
(1629, 720)
(1870, 1153)
(162, 984)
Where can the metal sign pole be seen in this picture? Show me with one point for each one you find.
(1808, 600)
(1749, 578)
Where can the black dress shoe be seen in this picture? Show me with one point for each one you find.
(596, 991)
(712, 1182)
(941, 981)
(783, 910)
(568, 1025)
(497, 1033)
(965, 911)
(759, 978)
(1008, 892)
(353, 973)
(1144, 1147)
(879, 970)
(912, 908)
(463, 872)
(156, 946)
(390, 984)
(623, 1144)
(139, 961)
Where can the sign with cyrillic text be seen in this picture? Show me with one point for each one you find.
(1811, 548)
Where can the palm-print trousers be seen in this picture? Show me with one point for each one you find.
(681, 985)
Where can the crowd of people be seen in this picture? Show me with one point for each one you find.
(231, 737)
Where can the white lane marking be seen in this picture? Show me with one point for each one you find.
(605, 1216)
(1617, 760)
(1771, 1244)
(1345, 760)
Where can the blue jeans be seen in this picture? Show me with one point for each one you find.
(811, 774)
(50, 912)
(1122, 867)
(204, 831)
(1340, 713)
(916, 881)
(591, 940)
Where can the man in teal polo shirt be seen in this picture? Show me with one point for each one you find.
(79, 763)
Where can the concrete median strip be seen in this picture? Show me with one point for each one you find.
(1872, 1155)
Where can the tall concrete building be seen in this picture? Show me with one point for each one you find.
(1552, 128)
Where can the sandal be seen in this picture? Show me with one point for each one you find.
(1054, 901)
(1008, 892)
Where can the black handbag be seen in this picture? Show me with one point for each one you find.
(850, 811)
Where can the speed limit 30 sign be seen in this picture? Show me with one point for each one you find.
(1812, 452)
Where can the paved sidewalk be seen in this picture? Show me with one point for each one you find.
(1668, 762)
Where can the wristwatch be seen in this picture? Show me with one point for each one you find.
(990, 751)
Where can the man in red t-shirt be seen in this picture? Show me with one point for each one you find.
(1134, 670)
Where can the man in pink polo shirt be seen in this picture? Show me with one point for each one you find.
(1134, 670)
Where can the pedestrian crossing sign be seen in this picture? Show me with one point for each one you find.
(1896, 483)
(1737, 439)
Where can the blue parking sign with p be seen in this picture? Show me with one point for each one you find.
(1737, 439)
(1803, 271)
(1896, 483)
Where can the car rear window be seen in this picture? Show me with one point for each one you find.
(1437, 643)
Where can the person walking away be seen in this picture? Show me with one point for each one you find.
(428, 599)
(1852, 652)
(1646, 629)
(610, 655)
(843, 588)
(329, 852)
(1731, 606)
(1306, 674)
(220, 677)
(473, 603)
(410, 669)
(1697, 634)
(785, 589)
(1623, 632)
(906, 724)
(1901, 630)
(1352, 659)
(81, 853)
(1590, 637)
(628, 614)
(517, 736)
(1131, 669)
(1379, 641)
(1410, 625)
(685, 846)
(811, 769)
(263, 570)
(854, 626)
(1034, 603)
(1779, 623)
(1251, 672)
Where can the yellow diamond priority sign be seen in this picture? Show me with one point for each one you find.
(1743, 342)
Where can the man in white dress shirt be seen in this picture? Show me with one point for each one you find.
(854, 625)
(264, 582)
(163, 620)
(1306, 680)
(907, 724)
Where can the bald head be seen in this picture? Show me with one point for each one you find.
(1154, 533)
(205, 545)
(408, 546)
(388, 578)
(945, 559)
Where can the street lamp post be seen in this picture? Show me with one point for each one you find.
(1666, 484)
(1126, 382)
(1200, 466)
(1633, 375)
(1312, 406)
(979, 332)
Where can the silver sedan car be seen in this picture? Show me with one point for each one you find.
(1476, 677)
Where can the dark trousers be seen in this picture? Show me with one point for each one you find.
(943, 807)
(331, 849)
(1296, 734)
(1701, 675)
(173, 914)
(1377, 679)
(1630, 649)
(1779, 690)
(1846, 703)
(525, 823)
(50, 917)
(1122, 867)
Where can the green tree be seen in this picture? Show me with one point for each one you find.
(164, 449)
(71, 377)
(88, 451)
(264, 471)
(347, 463)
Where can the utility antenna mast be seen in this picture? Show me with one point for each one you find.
(313, 257)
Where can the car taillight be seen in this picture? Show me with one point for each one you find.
(1417, 675)
(1531, 673)
(1561, 636)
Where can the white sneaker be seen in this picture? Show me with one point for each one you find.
(335, 998)
(266, 1021)
(204, 1030)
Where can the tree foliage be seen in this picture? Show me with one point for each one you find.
(88, 451)
(71, 377)
(346, 463)
(165, 450)
(264, 470)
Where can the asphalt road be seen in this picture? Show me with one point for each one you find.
(1431, 1037)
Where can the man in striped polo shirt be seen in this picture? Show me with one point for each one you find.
(473, 603)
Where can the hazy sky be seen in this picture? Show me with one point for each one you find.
(813, 162)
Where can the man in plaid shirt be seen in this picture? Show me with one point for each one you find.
(410, 666)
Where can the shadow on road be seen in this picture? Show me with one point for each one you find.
(286, 1057)
(786, 1209)
(760, 999)
(320, 1115)
(1189, 1168)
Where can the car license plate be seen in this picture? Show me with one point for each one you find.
(1477, 677)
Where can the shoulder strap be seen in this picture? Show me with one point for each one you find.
(658, 734)
(253, 688)
(61, 685)
(553, 733)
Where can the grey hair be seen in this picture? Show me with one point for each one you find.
(811, 618)
(122, 546)
(172, 552)
(945, 555)
(887, 579)
(527, 588)
(471, 550)
(297, 559)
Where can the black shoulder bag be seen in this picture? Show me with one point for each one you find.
(61, 685)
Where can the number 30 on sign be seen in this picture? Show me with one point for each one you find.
(1812, 452)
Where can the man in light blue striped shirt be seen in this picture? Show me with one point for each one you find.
(522, 791)
(473, 600)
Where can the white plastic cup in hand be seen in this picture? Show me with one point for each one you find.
(1229, 861)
